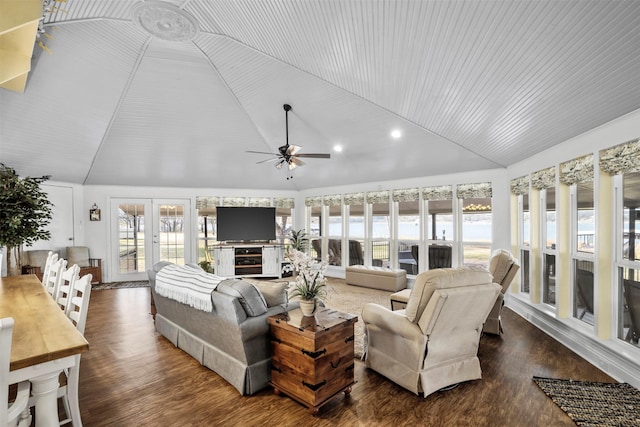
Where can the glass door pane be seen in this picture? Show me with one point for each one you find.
(171, 232)
(131, 239)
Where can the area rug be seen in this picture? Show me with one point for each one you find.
(594, 403)
(352, 299)
(118, 285)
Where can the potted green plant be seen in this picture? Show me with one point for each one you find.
(25, 213)
(299, 240)
(310, 285)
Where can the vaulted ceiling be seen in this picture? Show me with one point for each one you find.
(174, 93)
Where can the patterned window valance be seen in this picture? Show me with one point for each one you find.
(622, 158)
(233, 201)
(520, 185)
(206, 202)
(313, 202)
(378, 196)
(335, 200)
(440, 192)
(545, 178)
(260, 202)
(354, 199)
(478, 190)
(284, 202)
(577, 170)
(406, 195)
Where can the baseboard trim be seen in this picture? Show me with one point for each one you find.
(619, 360)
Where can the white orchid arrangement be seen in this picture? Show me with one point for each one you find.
(310, 282)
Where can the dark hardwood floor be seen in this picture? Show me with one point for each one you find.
(133, 377)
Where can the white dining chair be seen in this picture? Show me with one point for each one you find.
(69, 276)
(52, 284)
(52, 257)
(77, 309)
(18, 412)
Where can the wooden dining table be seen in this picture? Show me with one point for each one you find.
(44, 343)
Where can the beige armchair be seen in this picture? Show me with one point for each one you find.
(503, 267)
(433, 343)
(80, 255)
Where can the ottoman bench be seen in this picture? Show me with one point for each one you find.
(386, 279)
(399, 299)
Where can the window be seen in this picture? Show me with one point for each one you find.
(335, 234)
(584, 239)
(356, 234)
(284, 225)
(206, 234)
(549, 246)
(380, 233)
(315, 230)
(524, 238)
(629, 271)
(408, 235)
(476, 231)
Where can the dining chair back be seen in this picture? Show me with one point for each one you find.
(78, 306)
(52, 284)
(52, 257)
(69, 276)
(18, 412)
(77, 309)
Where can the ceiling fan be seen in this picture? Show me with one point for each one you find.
(289, 154)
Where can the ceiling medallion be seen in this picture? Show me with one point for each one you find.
(165, 21)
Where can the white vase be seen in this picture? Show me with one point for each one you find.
(308, 307)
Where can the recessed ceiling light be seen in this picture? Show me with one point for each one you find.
(337, 148)
(396, 134)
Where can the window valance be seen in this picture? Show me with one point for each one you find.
(313, 202)
(335, 200)
(520, 185)
(406, 195)
(622, 158)
(354, 199)
(577, 170)
(207, 202)
(378, 196)
(233, 201)
(545, 178)
(440, 192)
(260, 202)
(284, 202)
(480, 190)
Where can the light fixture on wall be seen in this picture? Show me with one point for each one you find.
(94, 213)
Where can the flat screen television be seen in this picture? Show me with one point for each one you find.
(239, 224)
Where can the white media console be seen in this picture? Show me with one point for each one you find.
(255, 260)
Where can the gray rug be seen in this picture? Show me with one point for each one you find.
(594, 403)
(118, 285)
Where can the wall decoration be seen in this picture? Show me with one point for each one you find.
(94, 213)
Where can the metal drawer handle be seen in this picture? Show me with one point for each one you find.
(350, 367)
(314, 354)
(351, 338)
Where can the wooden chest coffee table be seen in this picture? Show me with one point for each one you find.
(312, 357)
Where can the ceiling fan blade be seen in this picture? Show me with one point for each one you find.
(262, 152)
(273, 159)
(294, 163)
(315, 155)
(293, 149)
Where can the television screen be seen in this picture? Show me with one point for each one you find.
(241, 223)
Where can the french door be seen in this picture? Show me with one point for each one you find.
(147, 231)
